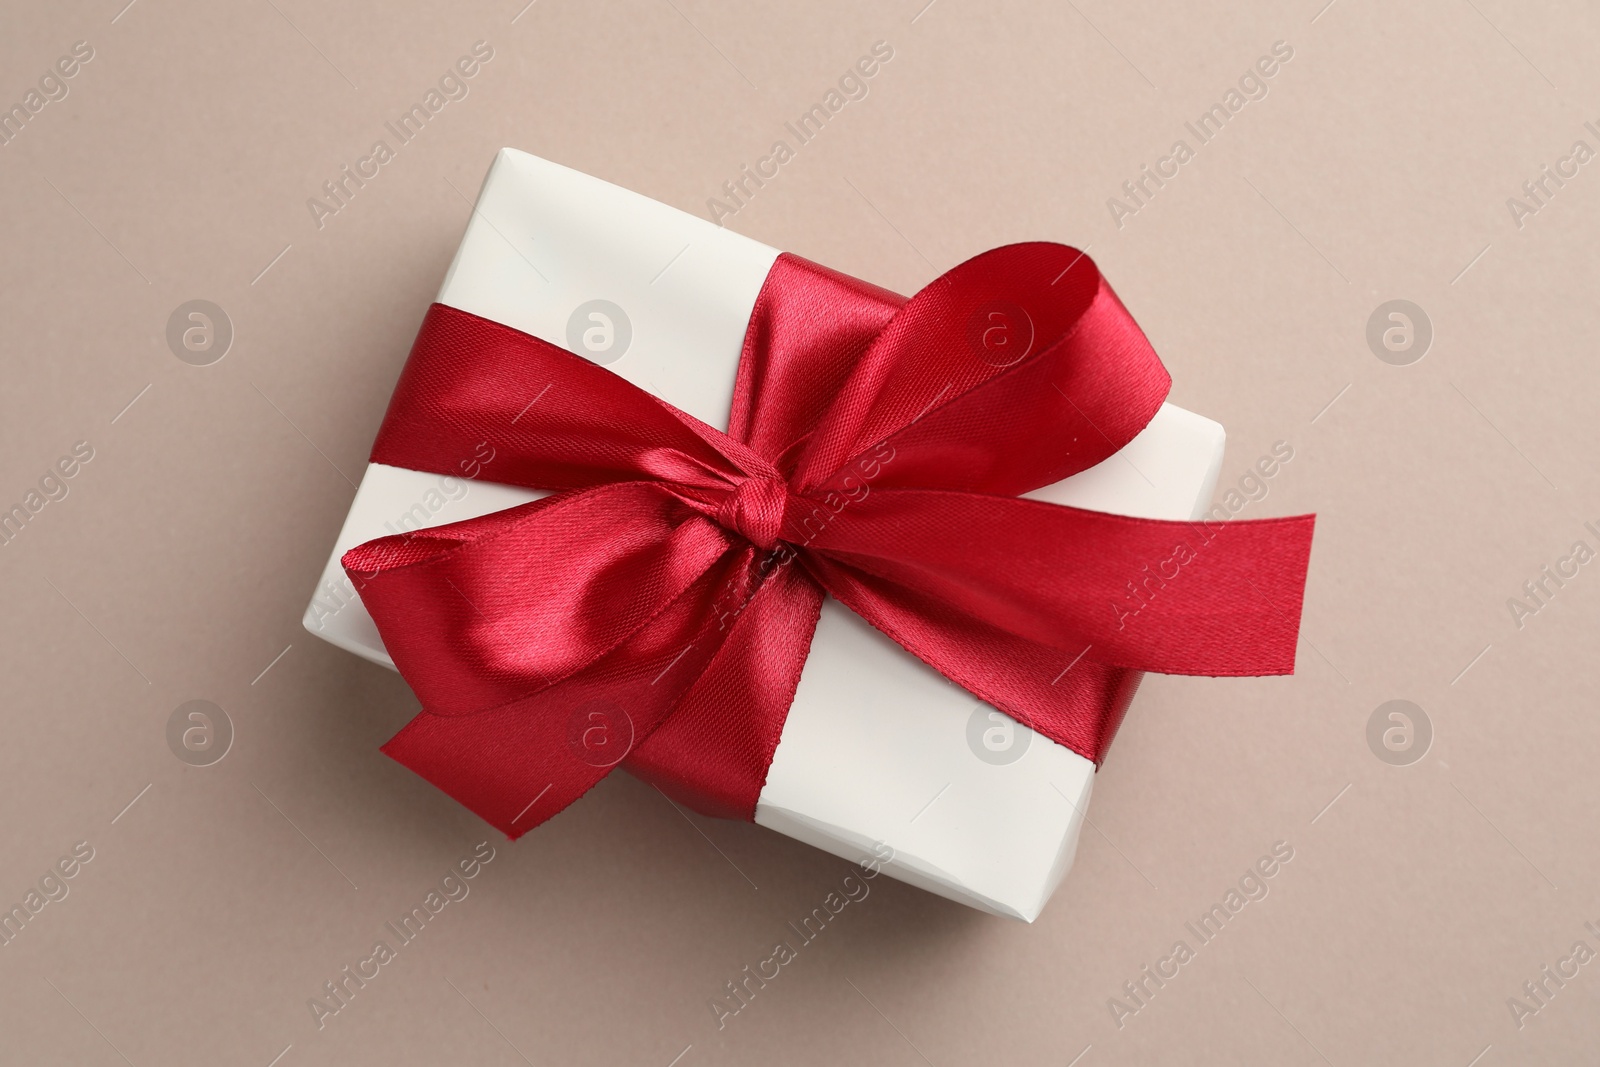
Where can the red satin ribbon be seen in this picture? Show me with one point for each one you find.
(660, 604)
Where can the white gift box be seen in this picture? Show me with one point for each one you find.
(878, 749)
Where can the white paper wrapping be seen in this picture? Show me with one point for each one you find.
(878, 749)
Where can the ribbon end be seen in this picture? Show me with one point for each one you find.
(514, 796)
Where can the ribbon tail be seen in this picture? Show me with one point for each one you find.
(1216, 599)
(1068, 696)
(714, 752)
(518, 764)
(510, 767)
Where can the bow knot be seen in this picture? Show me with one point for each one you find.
(755, 510)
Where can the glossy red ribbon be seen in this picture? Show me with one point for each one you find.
(659, 606)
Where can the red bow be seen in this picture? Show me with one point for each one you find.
(660, 604)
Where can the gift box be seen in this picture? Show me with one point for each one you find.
(880, 755)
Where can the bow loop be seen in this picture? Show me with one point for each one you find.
(1010, 372)
(481, 598)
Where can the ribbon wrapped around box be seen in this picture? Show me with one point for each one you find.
(880, 574)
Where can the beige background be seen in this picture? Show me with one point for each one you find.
(1377, 168)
